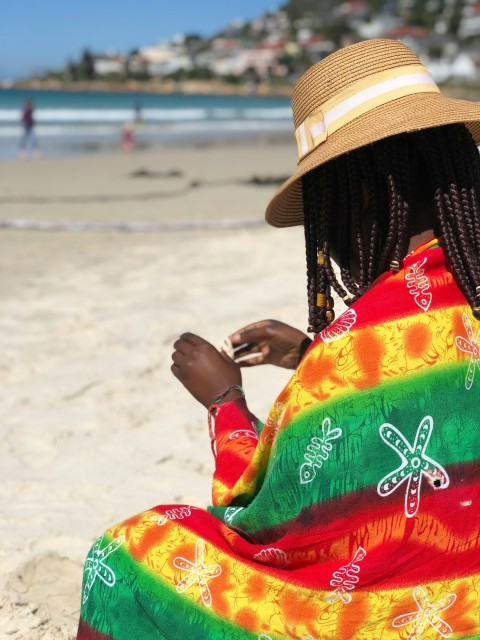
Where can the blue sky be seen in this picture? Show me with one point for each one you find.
(40, 34)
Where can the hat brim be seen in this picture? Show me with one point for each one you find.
(407, 114)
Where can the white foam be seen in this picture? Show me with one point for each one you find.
(56, 116)
(279, 113)
(93, 130)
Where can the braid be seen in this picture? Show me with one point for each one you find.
(356, 208)
(310, 216)
(402, 168)
(468, 175)
(375, 206)
(459, 230)
(344, 221)
(319, 190)
(445, 159)
(393, 162)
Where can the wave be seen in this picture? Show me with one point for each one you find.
(159, 130)
(56, 116)
(103, 115)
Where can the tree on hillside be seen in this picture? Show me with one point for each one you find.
(87, 65)
(71, 71)
(298, 9)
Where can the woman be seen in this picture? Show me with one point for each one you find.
(353, 512)
(28, 138)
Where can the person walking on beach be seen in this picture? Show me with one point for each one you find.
(353, 511)
(28, 141)
(138, 119)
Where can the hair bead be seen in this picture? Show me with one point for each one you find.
(321, 300)
(395, 266)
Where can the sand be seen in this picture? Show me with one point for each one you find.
(94, 426)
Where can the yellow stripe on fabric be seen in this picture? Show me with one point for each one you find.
(367, 357)
(245, 595)
(316, 128)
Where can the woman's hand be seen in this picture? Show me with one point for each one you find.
(203, 370)
(269, 342)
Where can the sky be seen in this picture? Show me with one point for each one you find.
(36, 35)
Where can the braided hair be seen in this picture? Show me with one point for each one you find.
(439, 166)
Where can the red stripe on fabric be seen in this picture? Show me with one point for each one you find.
(354, 521)
(353, 509)
(234, 460)
(86, 632)
(396, 299)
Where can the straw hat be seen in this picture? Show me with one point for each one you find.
(358, 95)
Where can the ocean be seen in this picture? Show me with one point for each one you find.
(69, 123)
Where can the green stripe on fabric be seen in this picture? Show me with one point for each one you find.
(141, 604)
(359, 458)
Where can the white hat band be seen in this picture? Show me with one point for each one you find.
(357, 99)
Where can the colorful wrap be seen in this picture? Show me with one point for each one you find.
(352, 513)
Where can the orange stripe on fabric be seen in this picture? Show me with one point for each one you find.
(365, 358)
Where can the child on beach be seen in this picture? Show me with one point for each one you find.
(128, 141)
(353, 510)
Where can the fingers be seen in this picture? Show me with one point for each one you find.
(187, 341)
(251, 361)
(190, 339)
(248, 351)
(178, 357)
(251, 332)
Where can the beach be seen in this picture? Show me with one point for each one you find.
(105, 260)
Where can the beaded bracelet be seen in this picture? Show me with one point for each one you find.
(222, 394)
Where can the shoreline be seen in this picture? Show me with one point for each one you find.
(167, 87)
(86, 147)
(199, 87)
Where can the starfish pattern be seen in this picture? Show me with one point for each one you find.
(95, 565)
(426, 615)
(197, 573)
(415, 464)
(471, 346)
